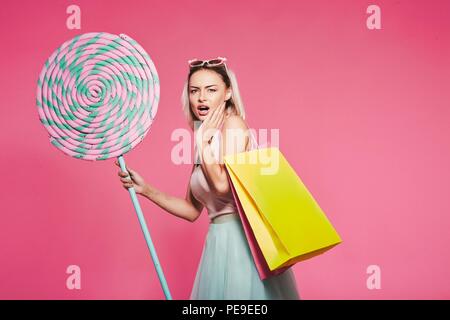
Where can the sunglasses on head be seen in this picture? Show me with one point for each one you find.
(209, 63)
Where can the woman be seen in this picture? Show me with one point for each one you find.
(226, 269)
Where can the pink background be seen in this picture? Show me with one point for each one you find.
(363, 118)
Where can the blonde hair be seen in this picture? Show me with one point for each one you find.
(229, 78)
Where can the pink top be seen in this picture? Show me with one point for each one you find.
(215, 204)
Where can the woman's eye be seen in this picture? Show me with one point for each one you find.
(213, 90)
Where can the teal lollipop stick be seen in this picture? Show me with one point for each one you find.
(147, 236)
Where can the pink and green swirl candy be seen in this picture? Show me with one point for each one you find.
(97, 95)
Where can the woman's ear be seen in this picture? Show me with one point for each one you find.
(228, 95)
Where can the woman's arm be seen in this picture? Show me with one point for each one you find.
(235, 129)
(188, 209)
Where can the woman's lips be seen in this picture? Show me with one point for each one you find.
(203, 111)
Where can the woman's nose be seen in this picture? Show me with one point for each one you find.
(201, 98)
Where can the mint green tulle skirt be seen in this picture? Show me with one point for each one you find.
(227, 271)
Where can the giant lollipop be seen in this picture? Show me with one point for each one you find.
(97, 96)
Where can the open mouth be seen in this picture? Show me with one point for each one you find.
(203, 110)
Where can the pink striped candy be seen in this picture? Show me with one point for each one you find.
(97, 95)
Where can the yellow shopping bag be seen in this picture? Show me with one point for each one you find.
(288, 224)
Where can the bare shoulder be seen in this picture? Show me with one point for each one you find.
(234, 122)
(235, 129)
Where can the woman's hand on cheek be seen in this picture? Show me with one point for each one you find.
(210, 125)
